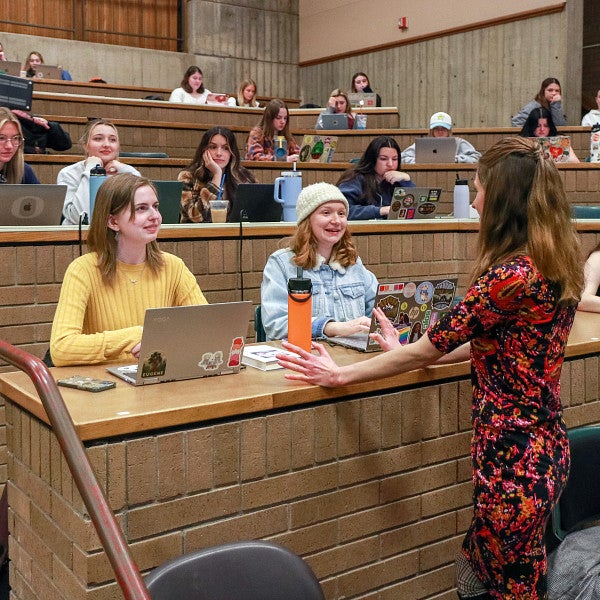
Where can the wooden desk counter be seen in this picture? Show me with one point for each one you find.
(129, 409)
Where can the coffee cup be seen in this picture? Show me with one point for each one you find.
(218, 210)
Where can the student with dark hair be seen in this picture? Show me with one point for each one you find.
(275, 122)
(191, 90)
(513, 324)
(369, 185)
(549, 97)
(105, 293)
(539, 123)
(217, 157)
(360, 83)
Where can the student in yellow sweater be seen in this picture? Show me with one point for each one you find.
(106, 292)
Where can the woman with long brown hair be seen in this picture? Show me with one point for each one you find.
(274, 123)
(105, 293)
(343, 289)
(549, 97)
(513, 324)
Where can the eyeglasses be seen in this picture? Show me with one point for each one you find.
(15, 140)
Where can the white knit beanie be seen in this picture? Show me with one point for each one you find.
(312, 196)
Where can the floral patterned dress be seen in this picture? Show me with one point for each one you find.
(520, 451)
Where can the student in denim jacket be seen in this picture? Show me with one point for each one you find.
(343, 289)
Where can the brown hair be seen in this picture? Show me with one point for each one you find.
(266, 123)
(114, 196)
(185, 82)
(14, 169)
(541, 95)
(304, 245)
(526, 211)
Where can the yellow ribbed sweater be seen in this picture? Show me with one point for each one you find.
(97, 323)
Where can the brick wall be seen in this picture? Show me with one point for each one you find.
(374, 492)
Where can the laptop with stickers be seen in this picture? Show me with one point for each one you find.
(414, 203)
(317, 148)
(189, 342)
(48, 72)
(435, 150)
(367, 98)
(412, 306)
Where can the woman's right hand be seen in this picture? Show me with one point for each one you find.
(212, 166)
(136, 350)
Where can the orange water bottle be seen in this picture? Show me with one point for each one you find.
(300, 310)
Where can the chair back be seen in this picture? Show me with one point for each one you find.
(252, 570)
(580, 500)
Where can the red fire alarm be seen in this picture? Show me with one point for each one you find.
(403, 23)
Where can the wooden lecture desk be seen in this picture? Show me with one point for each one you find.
(371, 483)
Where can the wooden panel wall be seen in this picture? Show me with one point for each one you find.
(481, 77)
(138, 23)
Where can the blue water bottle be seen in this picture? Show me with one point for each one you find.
(97, 178)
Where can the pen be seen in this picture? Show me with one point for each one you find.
(221, 188)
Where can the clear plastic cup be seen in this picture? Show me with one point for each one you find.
(218, 210)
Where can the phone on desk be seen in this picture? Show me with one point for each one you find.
(88, 384)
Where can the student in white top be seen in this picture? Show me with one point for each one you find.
(192, 90)
(593, 117)
(440, 125)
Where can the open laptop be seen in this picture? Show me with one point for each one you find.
(16, 92)
(31, 204)
(11, 67)
(368, 98)
(169, 200)
(414, 203)
(317, 148)
(189, 342)
(435, 150)
(412, 306)
(557, 147)
(217, 99)
(48, 72)
(254, 202)
(329, 121)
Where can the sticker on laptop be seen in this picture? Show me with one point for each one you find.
(211, 361)
(235, 352)
(154, 365)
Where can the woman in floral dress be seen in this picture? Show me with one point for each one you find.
(513, 324)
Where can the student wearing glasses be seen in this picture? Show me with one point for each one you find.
(13, 168)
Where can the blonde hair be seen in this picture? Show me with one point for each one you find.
(343, 94)
(240, 94)
(89, 128)
(526, 211)
(304, 246)
(14, 169)
(114, 196)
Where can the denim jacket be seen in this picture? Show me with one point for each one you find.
(339, 294)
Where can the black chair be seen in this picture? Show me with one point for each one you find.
(580, 500)
(252, 570)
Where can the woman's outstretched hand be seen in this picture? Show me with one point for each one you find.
(388, 338)
(318, 369)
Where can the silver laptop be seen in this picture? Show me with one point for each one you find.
(435, 150)
(368, 99)
(414, 203)
(189, 342)
(333, 121)
(48, 72)
(11, 67)
(31, 204)
(412, 306)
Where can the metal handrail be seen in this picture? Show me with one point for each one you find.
(109, 532)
